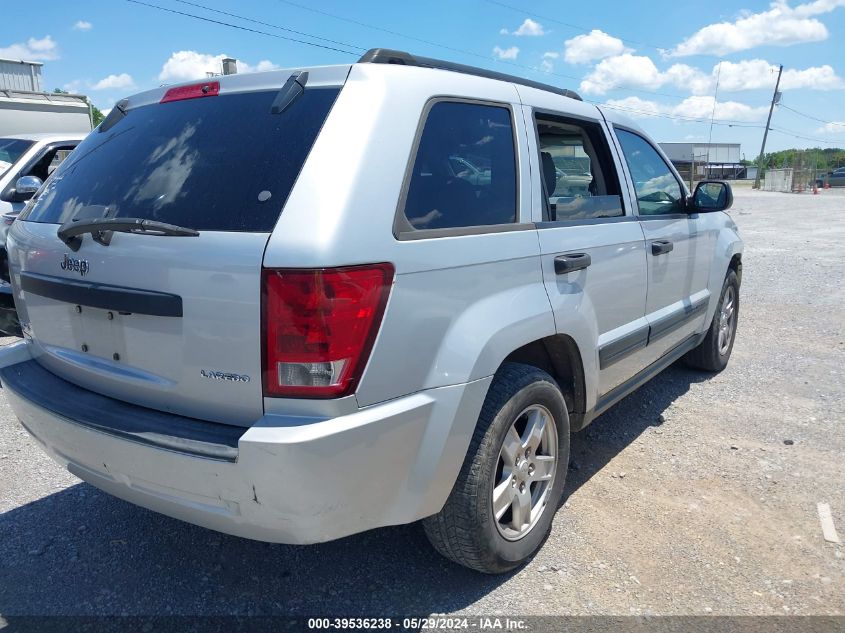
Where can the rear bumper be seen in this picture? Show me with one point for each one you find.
(293, 480)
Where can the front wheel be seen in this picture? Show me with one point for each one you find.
(503, 502)
(715, 350)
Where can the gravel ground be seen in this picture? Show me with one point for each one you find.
(695, 495)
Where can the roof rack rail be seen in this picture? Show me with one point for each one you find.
(401, 58)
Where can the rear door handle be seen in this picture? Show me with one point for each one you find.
(571, 262)
(659, 247)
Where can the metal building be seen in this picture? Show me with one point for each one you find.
(706, 160)
(26, 109)
(20, 75)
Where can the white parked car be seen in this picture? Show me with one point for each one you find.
(26, 160)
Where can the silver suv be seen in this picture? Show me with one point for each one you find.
(281, 305)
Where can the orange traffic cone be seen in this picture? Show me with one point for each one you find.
(815, 189)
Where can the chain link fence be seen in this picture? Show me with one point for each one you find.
(800, 173)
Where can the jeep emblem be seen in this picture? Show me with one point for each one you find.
(75, 265)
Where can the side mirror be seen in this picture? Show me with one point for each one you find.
(26, 187)
(712, 195)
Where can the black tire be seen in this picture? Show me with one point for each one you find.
(465, 530)
(707, 355)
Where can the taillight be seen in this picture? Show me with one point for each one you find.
(319, 327)
(194, 91)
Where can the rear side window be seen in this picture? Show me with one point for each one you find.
(464, 171)
(221, 163)
(578, 175)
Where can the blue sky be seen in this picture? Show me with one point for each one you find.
(650, 58)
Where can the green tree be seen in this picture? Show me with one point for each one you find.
(96, 115)
(822, 159)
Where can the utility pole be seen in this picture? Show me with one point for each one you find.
(766, 132)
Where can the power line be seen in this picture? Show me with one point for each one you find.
(272, 26)
(713, 114)
(808, 116)
(725, 122)
(418, 39)
(242, 28)
(728, 122)
(354, 46)
(677, 117)
(806, 138)
(455, 49)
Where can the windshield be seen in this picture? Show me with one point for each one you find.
(222, 163)
(11, 149)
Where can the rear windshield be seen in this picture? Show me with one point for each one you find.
(11, 149)
(221, 163)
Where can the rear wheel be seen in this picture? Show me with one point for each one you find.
(503, 502)
(715, 350)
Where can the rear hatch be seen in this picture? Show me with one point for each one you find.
(165, 321)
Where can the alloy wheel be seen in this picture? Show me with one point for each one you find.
(525, 472)
(726, 321)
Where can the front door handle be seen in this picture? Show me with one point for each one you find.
(571, 262)
(659, 247)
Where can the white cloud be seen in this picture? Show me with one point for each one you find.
(596, 45)
(187, 65)
(547, 64)
(635, 107)
(506, 53)
(622, 71)
(818, 7)
(698, 107)
(753, 74)
(530, 28)
(637, 71)
(74, 86)
(690, 79)
(702, 107)
(123, 80)
(781, 25)
(82, 25)
(44, 49)
(834, 127)
(263, 66)
(748, 74)
(815, 78)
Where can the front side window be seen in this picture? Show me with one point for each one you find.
(658, 191)
(578, 174)
(11, 149)
(49, 161)
(464, 171)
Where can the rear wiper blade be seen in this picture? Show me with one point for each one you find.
(102, 229)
